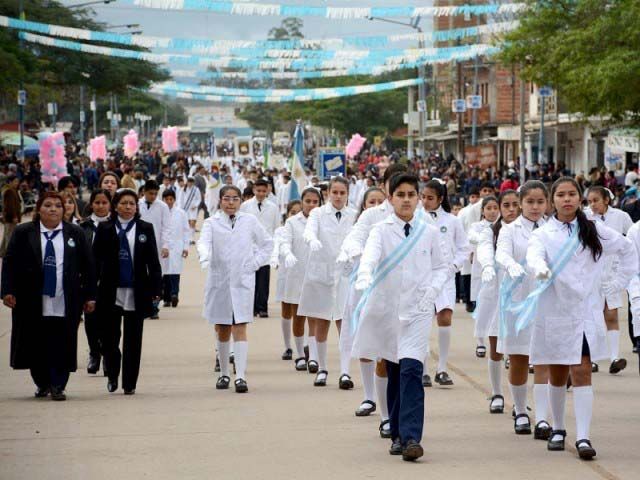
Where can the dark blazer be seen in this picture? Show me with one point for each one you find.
(23, 277)
(147, 274)
(89, 229)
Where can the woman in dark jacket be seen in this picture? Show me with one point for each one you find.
(130, 279)
(48, 278)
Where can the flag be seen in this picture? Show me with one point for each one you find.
(298, 178)
(212, 147)
(265, 154)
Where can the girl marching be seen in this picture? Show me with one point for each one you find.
(324, 287)
(232, 247)
(295, 253)
(511, 251)
(568, 255)
(456, 246)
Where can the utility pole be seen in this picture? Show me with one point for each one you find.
(94, 108)
(474, 112)
(21, 93)
(82, 140)
(541, 155)
(460, 115)
(523, 150)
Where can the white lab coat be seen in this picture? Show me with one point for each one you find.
(391, 325)
(276, 254)
(283, 191)
(566, 310)
(324, 289)
(511, 249)
(468, 216)
(473, 235)
(621, 222)
(486, 313)
(267, 214)
(212, 194)
(233, 256)
(159, 216)
(180, 239)
(634, 285)
(455, 249)
(293, 242)
(190, 199)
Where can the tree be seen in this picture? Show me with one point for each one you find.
(586, 49)
(289, 29)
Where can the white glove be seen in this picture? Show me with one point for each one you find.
(610, 289)
(488, 274)
(427, 302)
(273, 262)
(315, 245)
(363, 282)
(290, 260)
(343, 257)
(542, 272)
(204, 264)
(453, 269)
(515, 270)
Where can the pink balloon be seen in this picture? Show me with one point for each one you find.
(52, 157)
(170, 139)
(131, 144)
(98, 148)
(355, 145)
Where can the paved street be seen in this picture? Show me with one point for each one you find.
(178, 426)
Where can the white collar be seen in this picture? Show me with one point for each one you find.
(44, 229)
(401, 223)
(97, 219)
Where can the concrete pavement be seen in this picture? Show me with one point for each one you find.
(178, 426)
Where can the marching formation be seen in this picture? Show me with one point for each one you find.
(547, 270)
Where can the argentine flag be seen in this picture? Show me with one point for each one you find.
(298, 178)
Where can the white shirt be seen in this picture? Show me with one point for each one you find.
(54, 306)
(267, 213)
(124, 296)
(159, 216)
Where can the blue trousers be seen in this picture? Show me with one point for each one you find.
(405, 398)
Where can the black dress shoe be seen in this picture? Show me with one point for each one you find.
(301, 364)
(223, 383)
(396, 447)
(312, 366)
(617, 366)
(57, 394)
(522, 428)
(443, 379)
(412, 451)
(41, 392)
(594, 367)
(636, 348)
(585, 450)
(385, 429)
(129, 391)
(112, 385)
(498, 406)
(241, 385)
(263, 314)
(345, 382)
(174, 300)
(288, 354)
(155, 316)
(366, 408)
(426, 381)
(542, 431)
(166, 304)
(556, 445)
(94, 364)
(321, 379)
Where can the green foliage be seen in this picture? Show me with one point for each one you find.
(586, 49)
(290, 28)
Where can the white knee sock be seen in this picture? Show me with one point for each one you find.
(541, 400)
(583, 408)
(381, 391)
(367, 372)
(322, 355)
(480, 341)
(519, 396)
(613, 337)
(285, 323)
(345, 362)
(444, 340)
(299, 341)
(313, 349)
(242, 348)
(495, 376)
(557, 400)
(425, 365)
(223, 356)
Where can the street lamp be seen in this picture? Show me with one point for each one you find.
(86, 4)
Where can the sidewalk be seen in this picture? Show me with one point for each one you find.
(178, 426)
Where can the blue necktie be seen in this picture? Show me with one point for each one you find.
(49, 265)
(407, 229)
(125, 279)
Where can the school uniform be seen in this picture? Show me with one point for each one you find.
(634, 285)
(565, 317)
(91, 320)
(158, 215)
(469, 215)
(190, 201)
(172, 265)
(269, 217)
(130, 277)
(392, 325)
(278, 259)
(51, 274)
(293, 243)
(486, 313)
(473, 234)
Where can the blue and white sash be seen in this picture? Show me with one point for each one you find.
(388, 265)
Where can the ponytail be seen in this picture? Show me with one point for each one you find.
(496, 227)
(441, 193)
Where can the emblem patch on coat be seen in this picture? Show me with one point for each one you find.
(443, 229)
(71, 242)
(142, 237)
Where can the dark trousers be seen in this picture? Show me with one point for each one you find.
(458, 287)
(466, 288)
(405, 399)
(131, 346)
(634, 340)
(261, 295)
(92, 329)
(170, 286)
(49, 372)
